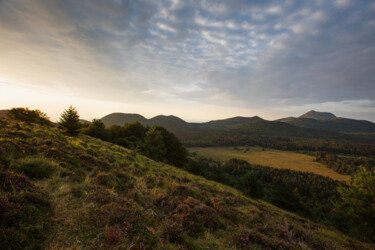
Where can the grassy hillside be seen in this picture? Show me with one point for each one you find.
(272, 158)
(79, 192)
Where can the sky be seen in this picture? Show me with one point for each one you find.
(199, 60)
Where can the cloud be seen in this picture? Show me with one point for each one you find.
(238, 53)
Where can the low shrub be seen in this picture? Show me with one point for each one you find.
(24, 220)
(27, 115)
(34, 167)
(10, 182)
(113, 235)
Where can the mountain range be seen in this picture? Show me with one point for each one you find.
(312, 124)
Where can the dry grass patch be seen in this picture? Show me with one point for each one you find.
(272, 158)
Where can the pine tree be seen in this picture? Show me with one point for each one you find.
(69, 121)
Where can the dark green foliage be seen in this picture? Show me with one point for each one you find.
(160, 144)
(69, 121)
(130, 135)
(305, 193)
(357, 205)
(251, 185)
(157, 143)
(345, 164)
(27, 115)
(34, 167)
(154, 145)
(96, 129)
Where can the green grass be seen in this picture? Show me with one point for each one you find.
(272, 158)
(100, 195)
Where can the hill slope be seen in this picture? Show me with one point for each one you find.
(232, 121)
(272, 128)
(343, 125)
(87, 193)
(312, 114)
(121, 118)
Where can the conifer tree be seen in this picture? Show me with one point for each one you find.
(69, 121)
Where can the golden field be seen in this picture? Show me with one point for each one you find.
(271, 158)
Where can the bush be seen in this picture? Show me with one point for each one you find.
(34, 167)
(96, 129)
(24, 220)
(27, 115)
(10, 182)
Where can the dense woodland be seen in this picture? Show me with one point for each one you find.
(307, 194)
(348, 165)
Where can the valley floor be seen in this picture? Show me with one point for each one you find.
(270, 157)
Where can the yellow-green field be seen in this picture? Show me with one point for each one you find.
(272, 158)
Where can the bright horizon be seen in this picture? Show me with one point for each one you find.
(198, 60)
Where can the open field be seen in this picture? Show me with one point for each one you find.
(272, 158)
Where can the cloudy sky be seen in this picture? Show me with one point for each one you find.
(199, 60)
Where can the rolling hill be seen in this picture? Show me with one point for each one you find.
(231, 127)
(312, 114)
(121, 118)
(342, 125)
(272, 128)
(58, 191)
(231, 121)
(328, 121)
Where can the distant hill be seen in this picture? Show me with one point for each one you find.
(232, 121)
(223, 130)
(83, 121)
(170, 122)
(343, 125)
(286, 119)
(312, 114)
(121, 118)
(328, 121)
(272, 128)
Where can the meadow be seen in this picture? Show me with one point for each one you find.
(270, 157)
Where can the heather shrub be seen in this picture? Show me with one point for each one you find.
(27, 115)
(24, 220)
(11, 182)
(34, 167)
